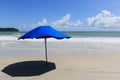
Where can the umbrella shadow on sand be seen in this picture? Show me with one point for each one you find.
(29, 68)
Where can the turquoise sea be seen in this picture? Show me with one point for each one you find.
(81, 36)
(81, 42)
(77, 34)
(93, 33)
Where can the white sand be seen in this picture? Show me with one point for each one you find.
(73, 61)
(71, 67)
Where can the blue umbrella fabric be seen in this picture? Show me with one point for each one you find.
(44, 32)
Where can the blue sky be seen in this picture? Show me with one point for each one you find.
(100, 15)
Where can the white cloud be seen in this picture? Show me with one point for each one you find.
(62, 22)
(101, 20)
(29, 27)
(22, 27)
(104, 19)
(65, 23)
(43, 22)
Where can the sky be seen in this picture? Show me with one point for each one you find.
(68, 15)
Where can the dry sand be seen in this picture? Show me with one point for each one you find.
(70, 67)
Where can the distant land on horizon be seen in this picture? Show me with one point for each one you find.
(9, 29)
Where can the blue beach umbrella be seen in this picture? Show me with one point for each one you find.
(44, 32)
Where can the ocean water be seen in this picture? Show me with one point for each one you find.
(76, 36)
(91, 34)
(88, 42)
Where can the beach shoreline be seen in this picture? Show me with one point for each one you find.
(73, 60)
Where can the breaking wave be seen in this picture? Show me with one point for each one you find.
(80, 39)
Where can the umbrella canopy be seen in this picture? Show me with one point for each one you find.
(44, 32)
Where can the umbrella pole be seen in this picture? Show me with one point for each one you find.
(46, 51)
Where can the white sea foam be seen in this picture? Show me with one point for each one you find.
(7, 38)
(82, 39)
(97, 40)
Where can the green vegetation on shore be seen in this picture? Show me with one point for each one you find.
(9, 29)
